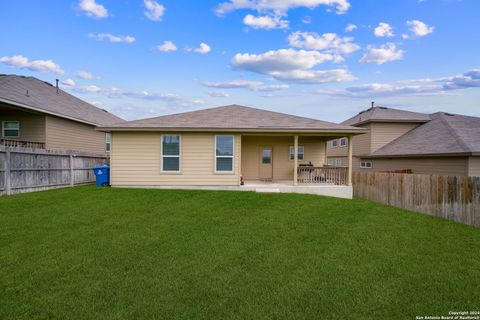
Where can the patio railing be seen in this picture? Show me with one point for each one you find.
(322, 175)
(12, 143)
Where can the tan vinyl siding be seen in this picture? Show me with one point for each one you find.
(384, 133)
(314, 152)
(65, 134)
(474, 166)
(32, 125)
(457, 166)
(136, 161)
(343, 161)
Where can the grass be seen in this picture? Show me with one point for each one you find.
(84, 253)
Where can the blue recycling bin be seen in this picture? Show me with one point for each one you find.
(102, 175)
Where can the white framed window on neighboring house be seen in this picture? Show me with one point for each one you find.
(366, 164)
(338, 162)
(11, 129)
(331, 162)
(343, 142)
(224, 151)
(334, 143)
(171, 153)
(108, 141)
(300, 152)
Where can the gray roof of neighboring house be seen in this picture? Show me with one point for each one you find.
(43, 97)
(384, 114)
(233, 118)
(446, 134)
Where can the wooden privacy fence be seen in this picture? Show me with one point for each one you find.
(26, 170)
(455, 198)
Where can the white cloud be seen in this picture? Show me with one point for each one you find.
(153, 10)
(245, 84)
(265, 22)
(218, 94)
(280, 60)
(85, 75)
(329, 42)
(167, 46)
(170, 98)
(419, 28)
(350, 27)
(383, 30)
(314, 76)
(93, 9)
(69, 83)
(307, 20)
(291, 65)
(439, 86)
(279, 6)
(385, 53)
(203, 48)
(22, 62)
(110, 37)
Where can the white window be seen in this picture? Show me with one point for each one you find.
(300, 152)
(365, 164)
(11, 129)
(223, 153)
(343, 142)
(107, 141)
(338, 162)
(330, 162)
(334, 143)
(171, 153)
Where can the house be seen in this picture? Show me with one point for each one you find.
(220, 147)
(36, 114)
(403, 141)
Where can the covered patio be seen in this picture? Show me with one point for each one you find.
(291, 160)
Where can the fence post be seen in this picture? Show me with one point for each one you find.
(8, 180)
(72, 174)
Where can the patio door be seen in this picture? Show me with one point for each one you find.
(266, 163)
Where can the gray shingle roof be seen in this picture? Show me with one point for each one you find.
(233, 118)
(43, 97)
(445, 134)
(384, 114)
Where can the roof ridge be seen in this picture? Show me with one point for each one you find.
(454, 132)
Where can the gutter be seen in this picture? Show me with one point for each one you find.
(247, 130)
(457, 154)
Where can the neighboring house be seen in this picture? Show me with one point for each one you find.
(36, 114)
(397, 140)
(218, 146)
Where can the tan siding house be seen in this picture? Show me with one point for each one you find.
(36, 114)
(228, 147)
(398, 140)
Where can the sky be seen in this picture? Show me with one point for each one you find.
(324, 59)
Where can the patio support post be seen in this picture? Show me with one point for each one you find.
(350, 159)
(295, 160)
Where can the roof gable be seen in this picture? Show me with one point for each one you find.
(384, 114)
(43, 97)
(232, 117)
(444, 134)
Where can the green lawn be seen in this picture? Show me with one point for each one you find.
(85, 253)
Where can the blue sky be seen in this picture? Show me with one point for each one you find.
(143, 58)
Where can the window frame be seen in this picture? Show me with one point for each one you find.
(232, 156)
(362, 166)
(331, 143)
(108, 141)
(3, 129)
(170, 156)
(340, 142)
(291, 156)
